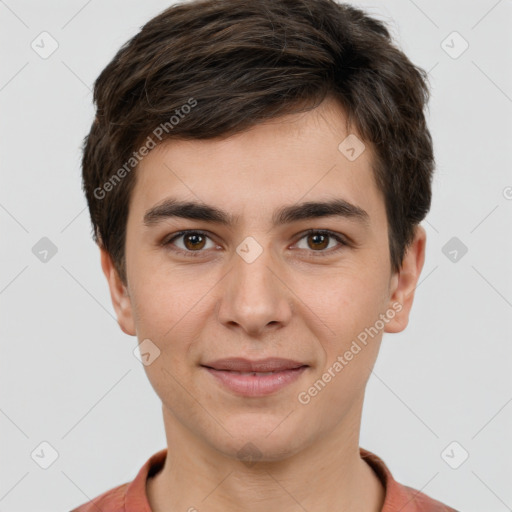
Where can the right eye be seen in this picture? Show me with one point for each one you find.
(193, 242)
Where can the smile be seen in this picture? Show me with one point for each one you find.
(255, 384)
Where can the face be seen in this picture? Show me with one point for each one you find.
(254, 274)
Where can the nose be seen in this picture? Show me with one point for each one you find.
(254, 296)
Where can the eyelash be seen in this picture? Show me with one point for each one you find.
(320, 253)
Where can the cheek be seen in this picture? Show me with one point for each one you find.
(350, 338)
(171, 308)
(350, 309)
(161, 295)
(162, 312)
(347, 300)
(164, 315)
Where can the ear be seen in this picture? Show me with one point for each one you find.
(404, 282)
(119, 294)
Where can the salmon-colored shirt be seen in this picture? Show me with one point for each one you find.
(132, 497)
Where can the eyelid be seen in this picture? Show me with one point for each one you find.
(168, 240)
(341, 239)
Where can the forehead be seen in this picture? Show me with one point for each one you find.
(294, 158)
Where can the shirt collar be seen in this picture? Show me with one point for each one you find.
(397, 496)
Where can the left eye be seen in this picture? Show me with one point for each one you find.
(320, 240)
(195, 241)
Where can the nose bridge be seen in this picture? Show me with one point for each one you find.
(253, 295)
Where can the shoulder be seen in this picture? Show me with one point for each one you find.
(110, 501)
(398, 496)
(128, 496)
(420, 502)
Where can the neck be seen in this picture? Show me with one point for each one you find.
(328, 475)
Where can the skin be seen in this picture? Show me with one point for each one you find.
(290, 302)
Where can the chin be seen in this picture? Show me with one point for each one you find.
(260, 441)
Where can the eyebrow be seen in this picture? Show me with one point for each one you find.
(172, 207)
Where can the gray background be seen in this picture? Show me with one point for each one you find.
(68, 373)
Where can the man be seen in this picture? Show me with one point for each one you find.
(256, 176)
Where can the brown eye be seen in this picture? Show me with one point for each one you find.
(318, 241)
(189, 243)
(194, 241)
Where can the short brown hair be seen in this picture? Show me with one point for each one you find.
(240, 62)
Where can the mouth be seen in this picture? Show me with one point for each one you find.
(255, 378)
(242, 365)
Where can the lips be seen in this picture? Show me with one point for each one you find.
(247, 367)
(249, 378)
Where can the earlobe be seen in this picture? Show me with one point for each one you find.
(119, 294)
(405, 281)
